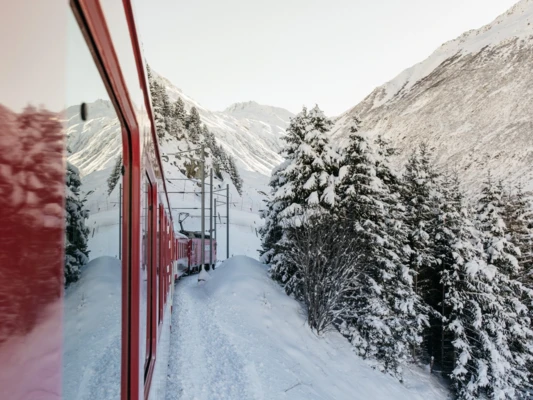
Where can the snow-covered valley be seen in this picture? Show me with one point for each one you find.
(469, 101)
(248, 338)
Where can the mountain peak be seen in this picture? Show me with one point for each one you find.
(252, 110)
(243, 105)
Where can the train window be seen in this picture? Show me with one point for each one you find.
(158, 266)
(93, 279)
(147, 277)
(161, 275)
(145, 273)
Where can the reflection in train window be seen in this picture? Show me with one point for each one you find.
(92, 301)
(146, 328)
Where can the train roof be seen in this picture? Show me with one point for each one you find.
(194, 234)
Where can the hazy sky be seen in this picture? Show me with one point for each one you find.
(289, 53)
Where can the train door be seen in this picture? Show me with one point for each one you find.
(148, 276)
(160, 255)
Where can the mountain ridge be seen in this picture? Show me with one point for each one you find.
(471, 41)
(470, 100)
(250, 134)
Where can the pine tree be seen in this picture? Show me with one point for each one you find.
(420, 192)
(305, 181)
(308, 181)
(451, 239)
(495, 325)
(491, 210)
(519, 222)
(234, 175)
(193, 124)
(179, 111)
(382, 310)
(160, 107)
(174, 126)
(115, 175)
(76, 252)
(465, 279)
(271, 232)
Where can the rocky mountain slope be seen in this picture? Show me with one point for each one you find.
(94, 144)
(471, 100)
(250, 132)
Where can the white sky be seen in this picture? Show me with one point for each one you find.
(288, 53)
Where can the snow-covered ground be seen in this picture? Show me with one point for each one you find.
(239, 336)
(92, 332)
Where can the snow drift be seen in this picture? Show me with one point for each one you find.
(92, 332)
(249, 340)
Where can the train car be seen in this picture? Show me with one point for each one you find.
(181, 263)
(101, 337)
(195, 251)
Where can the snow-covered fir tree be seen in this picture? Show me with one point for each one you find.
(271, 232)
(382, 311)
(179, 114)
(159, 104)
(465, 279)
(455, 244)
(234, 174)
(194, 124)
(179, 111)
(490, 218)
(76, 252)
(115, 175)
(496, 346)
(309, 177)
(420, 192)
(519, 223)
(421, 198)
(306, 182)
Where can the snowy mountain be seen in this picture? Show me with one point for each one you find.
(94, 144)
(471, 100)
(250, 132)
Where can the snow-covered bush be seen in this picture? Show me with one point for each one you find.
(326, 259)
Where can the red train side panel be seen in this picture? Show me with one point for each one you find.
(30, 310)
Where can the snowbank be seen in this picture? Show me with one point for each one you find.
(92, 326)
(249, 340)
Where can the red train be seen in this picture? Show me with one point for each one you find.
(48, 348)
(189, 253)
